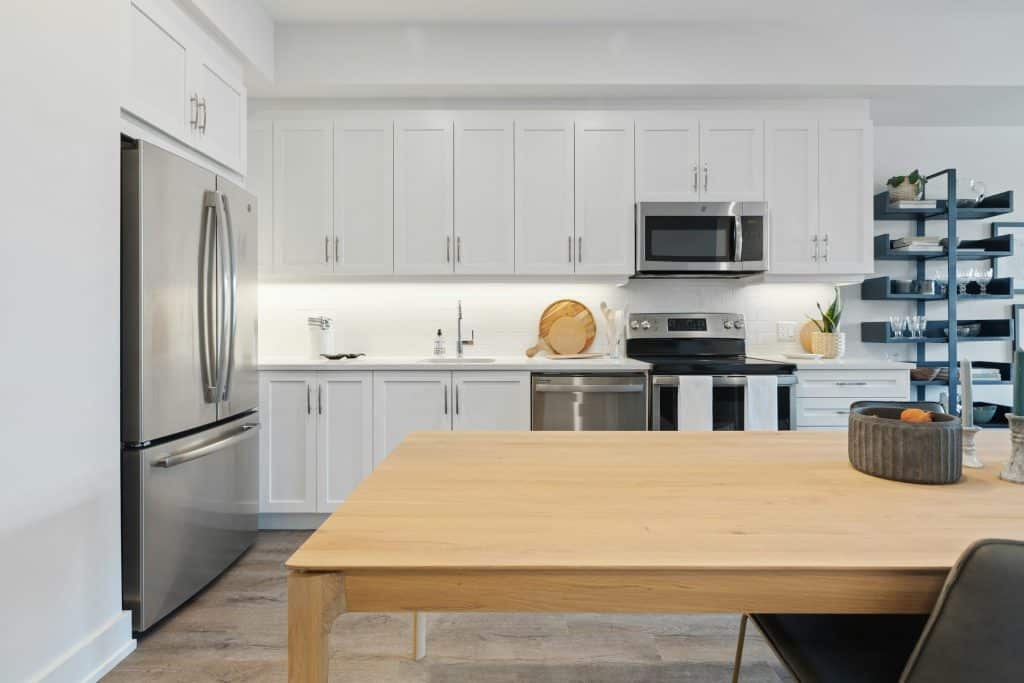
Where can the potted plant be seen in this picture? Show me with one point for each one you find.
(828, 340)
(906, 187)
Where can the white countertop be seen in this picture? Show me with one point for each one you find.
(843, 363)
(522, 363)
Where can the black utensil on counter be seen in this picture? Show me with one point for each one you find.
(339, 356)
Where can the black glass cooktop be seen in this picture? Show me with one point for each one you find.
(717, 365)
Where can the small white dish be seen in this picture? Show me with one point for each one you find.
(804, 356)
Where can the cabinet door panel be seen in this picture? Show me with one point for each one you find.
(344, 435)
(544, 195)
(491, 401)
(484, 201)
(732, 160)
(405, 402)
(156, 76)
(423, 195)
(302, 197)
(259, 180)
(222, 120)
(364, 195)
(791, 162)
(287, 443)
(605, 235)
(667, 160)
(845, 209)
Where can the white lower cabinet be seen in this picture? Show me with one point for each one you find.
(415, 400)
(317, 441)
(823, 397)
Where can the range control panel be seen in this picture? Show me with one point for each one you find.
(685, 326)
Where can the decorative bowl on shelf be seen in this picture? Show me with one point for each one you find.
(984, 414)
(924, 374)
(968, 330)
(882, 445)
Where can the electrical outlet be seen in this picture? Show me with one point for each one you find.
(785, 330)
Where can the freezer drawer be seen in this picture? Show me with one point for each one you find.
(189, 509)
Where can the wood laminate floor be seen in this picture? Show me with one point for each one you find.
(235, 631)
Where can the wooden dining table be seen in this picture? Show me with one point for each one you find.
(637, 522)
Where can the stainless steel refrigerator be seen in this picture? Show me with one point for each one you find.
(189, 392)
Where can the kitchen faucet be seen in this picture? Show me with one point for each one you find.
(459, 341)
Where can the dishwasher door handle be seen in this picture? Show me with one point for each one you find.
(590, 388)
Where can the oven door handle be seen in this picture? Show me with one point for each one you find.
(720, 380)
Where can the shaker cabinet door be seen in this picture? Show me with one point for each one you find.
(344, 435)
(667, 159)
(845, 211)
(288, 442)
(544, 238)
(406, 402)
(484, 195)
(491, 401)
(732, 160)
(364, 195)
(303, 187)
(791, 163)
(424, 242)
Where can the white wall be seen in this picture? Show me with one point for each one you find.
(60, 593)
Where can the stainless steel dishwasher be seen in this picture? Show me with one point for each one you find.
(578, 403)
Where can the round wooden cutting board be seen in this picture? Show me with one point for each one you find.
(562, 309)
(567, 336)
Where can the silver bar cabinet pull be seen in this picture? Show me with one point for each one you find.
(458, 250)
(319, 399)
(444, 392)
(570, 248)
(194, 109)
(706, 177)
(456, 399)
(327, 246)
(309, 400)
(336, 241)
(201, 106)
(579, 249)
(695, 178)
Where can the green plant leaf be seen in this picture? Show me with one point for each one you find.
(896, 180)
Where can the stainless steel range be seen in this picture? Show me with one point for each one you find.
(677, 344)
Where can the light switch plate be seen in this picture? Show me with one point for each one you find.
(785, 330)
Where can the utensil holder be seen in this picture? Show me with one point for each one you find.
(1014, 468)
(970, 458)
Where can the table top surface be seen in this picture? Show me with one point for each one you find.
(656, 500)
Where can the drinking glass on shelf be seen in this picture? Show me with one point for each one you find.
(983, 277)
(907, 321)
(919, 324)
(896, 323)
(962, 278)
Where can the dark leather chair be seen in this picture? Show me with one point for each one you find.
(975, 632)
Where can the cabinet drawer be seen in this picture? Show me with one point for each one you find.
(823, 412)
(873, 384)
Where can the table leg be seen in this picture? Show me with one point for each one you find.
(315, 601)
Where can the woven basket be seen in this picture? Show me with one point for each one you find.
(905, 191)
(923, 453)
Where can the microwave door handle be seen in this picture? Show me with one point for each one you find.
(737, 239)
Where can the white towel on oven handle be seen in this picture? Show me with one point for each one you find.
(694, 403)
(761, 404)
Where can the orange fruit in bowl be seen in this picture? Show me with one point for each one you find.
(915, 415)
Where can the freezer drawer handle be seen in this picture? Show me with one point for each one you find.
(247, 432)
(590, 388)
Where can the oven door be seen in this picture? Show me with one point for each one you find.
(727, 396)
(701, 237)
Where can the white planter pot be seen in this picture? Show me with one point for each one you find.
(829, 344)
(905, 191)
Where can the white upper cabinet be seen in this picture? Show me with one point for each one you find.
(605, 203)
(171, 84)
(260, 181)
(791, 169)
(732, 160)
(344, 407)
(667, 158)
(484, 195)
(544, 194)
(423, 195)
(491, 401)
(156, 72)
(364, 195)
(406, 402)
(220, 112)
(288, 442)
(845, 209)
(303, 186)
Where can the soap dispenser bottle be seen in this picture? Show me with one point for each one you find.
(439, 346)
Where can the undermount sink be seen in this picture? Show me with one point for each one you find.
(476, 359)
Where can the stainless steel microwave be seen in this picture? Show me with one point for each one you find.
(695, 239)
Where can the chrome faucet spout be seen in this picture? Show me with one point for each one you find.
(459, 341)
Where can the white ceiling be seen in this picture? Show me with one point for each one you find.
(615, 11)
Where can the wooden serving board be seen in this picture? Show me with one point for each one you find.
(564, 308)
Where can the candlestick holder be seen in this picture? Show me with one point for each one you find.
(970, 451)
(1014, 468)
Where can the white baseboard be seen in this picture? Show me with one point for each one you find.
(94, 657)
(296, 521)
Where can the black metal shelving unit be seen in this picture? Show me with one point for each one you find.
(880, 288)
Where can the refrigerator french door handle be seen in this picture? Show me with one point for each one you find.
(206, 270)
(212, 198)
(246, 431)
(232, 321)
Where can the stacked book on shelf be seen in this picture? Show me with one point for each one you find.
(919, 244)
(915, 204)
(977, 374)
